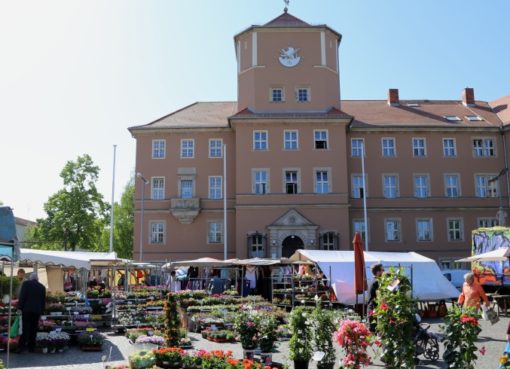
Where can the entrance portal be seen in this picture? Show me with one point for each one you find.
(290, 245)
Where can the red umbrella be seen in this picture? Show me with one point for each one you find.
(360, 283)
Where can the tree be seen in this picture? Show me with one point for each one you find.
(123, 224)
(76, 213)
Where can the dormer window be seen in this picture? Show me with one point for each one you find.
(303, 94)
(474, 118)
(277, 95)
(452, 118)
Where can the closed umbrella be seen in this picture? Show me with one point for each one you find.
(360, 283)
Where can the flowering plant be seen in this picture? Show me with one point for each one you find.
(142, 360)
(170, 354)
(267, 327)
(58, 340)
(90, 338)
(155, 340)
(323, 326)
(504, 361)
(172, 320)
(300, 344)
(461, 332)
(246, 324)
(41, 339)
(354, 338)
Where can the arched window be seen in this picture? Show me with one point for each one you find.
(256, 245)
(329, 241)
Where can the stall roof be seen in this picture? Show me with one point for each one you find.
(77, 259)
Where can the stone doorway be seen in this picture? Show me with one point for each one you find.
(290, 245)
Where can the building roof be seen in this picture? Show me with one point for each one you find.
(419, 113)
(502, 108)
(24, 222)
(331, 113)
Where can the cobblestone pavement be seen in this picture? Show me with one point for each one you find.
(117, 349)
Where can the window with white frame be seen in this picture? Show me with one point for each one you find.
(187, 148)
(449, 148)
(421, 185)
(455, 230)
(158, 149)
(157, 232)
(483, 147)
(186, 188)
(215, 187)
(328, 241)
(291, 181)
(290, 140)
(260, 140)
(303, 94)
(257, 249)
(215, 148)
(321, 139)
(260, 181)
(321, 181)
(276, 95)
(215, 232)
(419, 147)
(392, 229)
(485, 186)
(357, 188)
(451, 185)
(424, 229)
(390, 186)
(358, 225)
(388, 147)
(488, 222)
(157, 188)
(357, 147)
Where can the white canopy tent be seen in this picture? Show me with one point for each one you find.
(501, 254)
(428, 281)
(76, 259)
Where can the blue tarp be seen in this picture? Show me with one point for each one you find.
(7, 233)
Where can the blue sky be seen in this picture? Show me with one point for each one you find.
(74, 75)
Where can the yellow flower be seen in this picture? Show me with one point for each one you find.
(503, 359)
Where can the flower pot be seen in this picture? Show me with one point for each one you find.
(266, 358)
(301, 364)
(248, 354)
(325, 366)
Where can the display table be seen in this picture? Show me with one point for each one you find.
(502, 303)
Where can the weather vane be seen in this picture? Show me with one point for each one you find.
(286, 5)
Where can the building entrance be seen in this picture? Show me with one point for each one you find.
(290, 245)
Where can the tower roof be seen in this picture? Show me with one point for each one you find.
(286, 20)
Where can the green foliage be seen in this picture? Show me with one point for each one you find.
(5, 284)
(323, 323)
(172, 321)
(76, 213)
(267, 326)
(395, 314)
(301, 341)
(246, 324)
(460, 334)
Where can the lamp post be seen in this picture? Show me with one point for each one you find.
(144, 182)
(501, 213)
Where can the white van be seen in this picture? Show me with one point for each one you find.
(455, 276)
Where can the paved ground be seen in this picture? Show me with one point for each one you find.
(117, 349)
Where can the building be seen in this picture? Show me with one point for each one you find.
(434, 170)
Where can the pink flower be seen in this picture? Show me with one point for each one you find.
(482, 350)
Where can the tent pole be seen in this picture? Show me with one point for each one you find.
(9, 317)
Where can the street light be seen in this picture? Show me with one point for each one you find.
(501, 213)
(144, 182)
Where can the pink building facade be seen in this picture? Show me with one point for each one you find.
(290, 153)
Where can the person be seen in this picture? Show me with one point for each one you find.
(377, 272)
(173, 284)
(21, 278)
(472, 292)
(250, 275)
(31, 302)
(121, 281)
(216, 285)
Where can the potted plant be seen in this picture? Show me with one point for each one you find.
(169, 357)
(353, 337)
(247, 326)
(301, 342)
(152, 340)
(90, 341)
(268, 337)
(42, 342)
(58, 341)
(324, 327)
(172, 320)
(142, 360)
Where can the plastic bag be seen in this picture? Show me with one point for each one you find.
(490, 315)
(15, 328)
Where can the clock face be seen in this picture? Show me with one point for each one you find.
(289, 57)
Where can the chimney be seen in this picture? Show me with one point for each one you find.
(393, 97)
(468, 97)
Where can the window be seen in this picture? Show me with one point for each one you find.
(449, 149)
(357, 147)
(187, 148)
(488, 222)
(321, 139)
(388, 147)
(259, 140)
(215, 148)
(290, 140)
(157, 188)
(392, 229)
(390, 186)
(158, 149)
(215, 187)
(186, 188)
(215, 232)
(455, 230)
(451, 185)
(157, 232)
(419, 147)
(328, 241)
(424, 229)
(357, 188)
(303, 94)
(358, 225)
(321, 181)
(277, 95)
(452, 118)
(483, 147)
(474, 118)
(257, 246)
(291, 182)
(260, 185)
(421, 185)
(484, 187)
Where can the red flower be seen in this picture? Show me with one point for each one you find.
(384, 306)
(482, 350)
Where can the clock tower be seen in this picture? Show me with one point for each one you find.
(288, 65)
